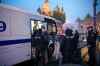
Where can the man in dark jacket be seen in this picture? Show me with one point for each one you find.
(91, 41)
(76, 39)
(40, 43)
(76, 51)
(67, 46)
(45, 43)
(44, 33)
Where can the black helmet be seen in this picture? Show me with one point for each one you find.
(68, 32)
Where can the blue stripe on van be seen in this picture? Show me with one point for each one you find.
(17, 41)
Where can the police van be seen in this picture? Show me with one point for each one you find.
(16, 27)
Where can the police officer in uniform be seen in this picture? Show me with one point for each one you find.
(67, 47)
(91, 41)
(39, 42)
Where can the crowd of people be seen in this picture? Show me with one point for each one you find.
(46, 46)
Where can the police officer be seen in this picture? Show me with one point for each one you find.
(91, 41)
(45, 41)
(40, 43)
(67, 46)
(76, 40)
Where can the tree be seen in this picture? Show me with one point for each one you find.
(88, 16)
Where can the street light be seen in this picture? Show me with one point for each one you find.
(94, 13)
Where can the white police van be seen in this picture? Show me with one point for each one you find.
(15, 34)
